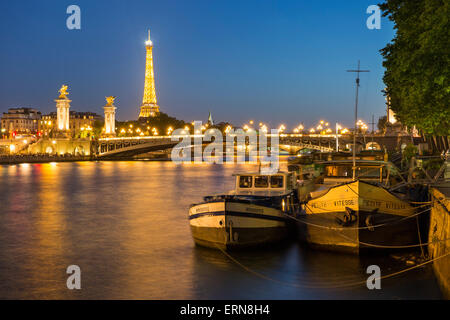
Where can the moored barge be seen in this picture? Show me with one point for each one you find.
(253, 214)
(352, 215)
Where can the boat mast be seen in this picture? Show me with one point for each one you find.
(356, 118)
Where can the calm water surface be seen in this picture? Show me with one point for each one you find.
(125, 224)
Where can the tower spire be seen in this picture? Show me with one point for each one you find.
(149, 42)
(149, 107)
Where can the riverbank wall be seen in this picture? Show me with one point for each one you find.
(439, 235)
(17, 159)
(61, 146)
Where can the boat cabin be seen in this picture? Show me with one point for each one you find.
(367, 170)
(265, 184)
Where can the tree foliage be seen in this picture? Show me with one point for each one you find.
(382, 123)
(161, 123)
(417, 64)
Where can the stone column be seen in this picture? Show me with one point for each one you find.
(62, 108)
(110, 117)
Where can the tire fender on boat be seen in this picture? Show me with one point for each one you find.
(349, 217)
(230, 231)
(369, 223)
(370, 220)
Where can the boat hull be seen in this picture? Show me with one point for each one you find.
(325, 231)
(228, 225)
(356, 217)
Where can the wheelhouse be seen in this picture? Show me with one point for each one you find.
(264, 184)
(366, 170)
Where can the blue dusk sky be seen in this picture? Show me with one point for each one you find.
(271, 61)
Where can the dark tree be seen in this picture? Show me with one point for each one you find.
(382, 123)
(417, 64)
(161, 122)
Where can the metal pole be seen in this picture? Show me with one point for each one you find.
(337, 137)
(373, 129)
(356, 118)
(356, 129)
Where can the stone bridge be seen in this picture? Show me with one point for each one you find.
(130, 146)
(327, 143)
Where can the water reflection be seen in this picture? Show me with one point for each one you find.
(125, 224)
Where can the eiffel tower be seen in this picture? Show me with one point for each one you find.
(149, 106)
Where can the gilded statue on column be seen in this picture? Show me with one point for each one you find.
(63, 92)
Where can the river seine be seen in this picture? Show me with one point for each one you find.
(125, 225)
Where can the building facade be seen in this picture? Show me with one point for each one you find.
(20, 121)
(78, 122)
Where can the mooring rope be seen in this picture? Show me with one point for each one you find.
(372, 244)
(342, 285)
(329, 210)
(424, 203)
(366, 243)
(359, 228)
(393, 247)
(419, 237)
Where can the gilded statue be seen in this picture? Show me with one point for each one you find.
(63, 92)
(110, 100)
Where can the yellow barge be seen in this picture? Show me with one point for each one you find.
(349, 215)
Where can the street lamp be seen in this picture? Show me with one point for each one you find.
(337, 136)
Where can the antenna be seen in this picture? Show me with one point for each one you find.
(373, 123)
(373, 128)
(356, 117)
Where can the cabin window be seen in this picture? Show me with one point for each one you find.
(339, 171)
(276, 181)
(261, 182)
(245, 181)
(361, 171)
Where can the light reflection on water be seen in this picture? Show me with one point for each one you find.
(125, 224)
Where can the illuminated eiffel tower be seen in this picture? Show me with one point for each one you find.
(149, 106)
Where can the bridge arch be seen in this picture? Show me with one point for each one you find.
(79, 150)
(373, 146)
